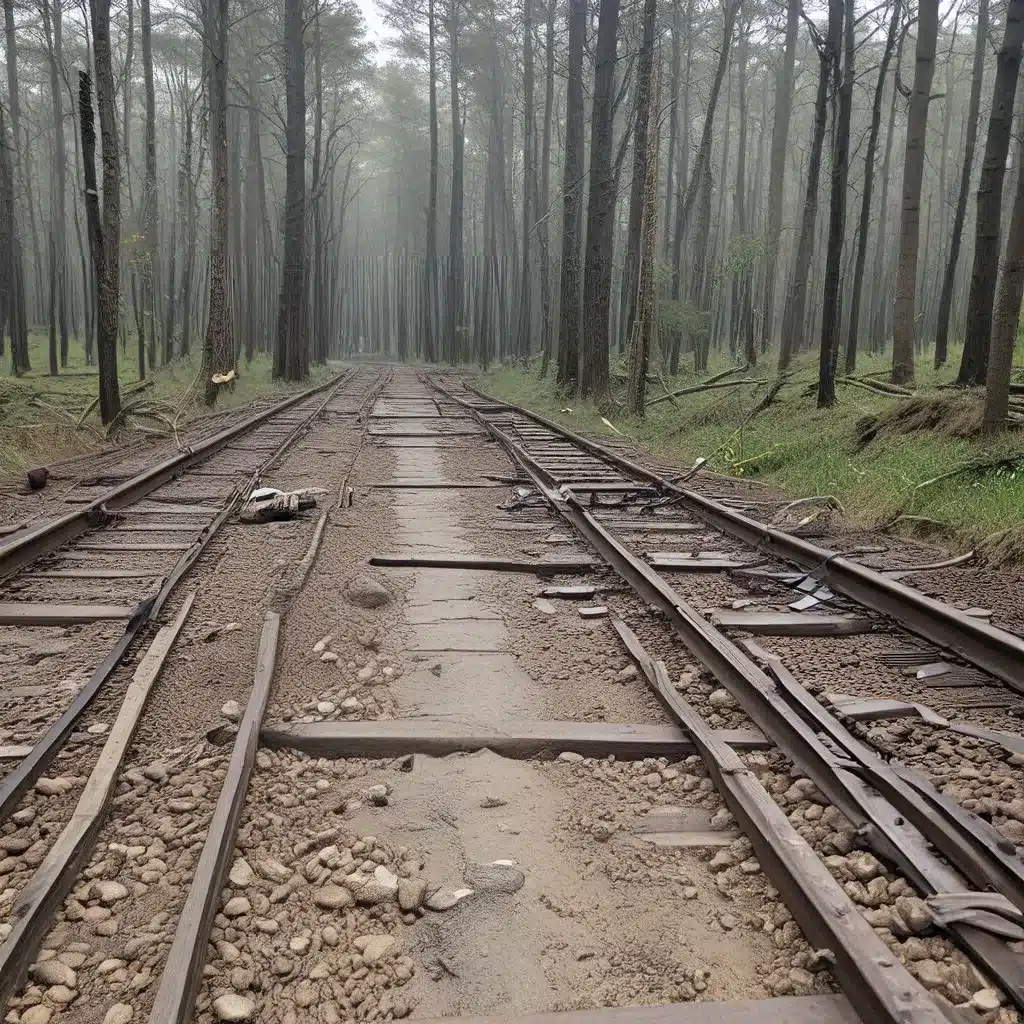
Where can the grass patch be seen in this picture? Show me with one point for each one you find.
(806, 451)
(39, 413)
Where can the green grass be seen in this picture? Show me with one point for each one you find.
(806, 451)
(39, 413)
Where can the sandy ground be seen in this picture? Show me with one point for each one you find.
(432, 886)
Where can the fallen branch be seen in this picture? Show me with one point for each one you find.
(142, 385)
(668, 394)
(974, 467)
(718, 381)
(878, 387)
(946, 563)
(767, 398)
(827, 501)
(936, 524)
(139, 407)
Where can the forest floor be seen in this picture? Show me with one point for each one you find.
(916, 465)
(39, 414)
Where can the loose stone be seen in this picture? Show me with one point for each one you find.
(233, 1007)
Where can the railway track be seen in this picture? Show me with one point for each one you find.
(79, 594)
(334, 858)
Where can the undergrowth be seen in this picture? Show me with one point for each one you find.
(914, 464)
(39, 414)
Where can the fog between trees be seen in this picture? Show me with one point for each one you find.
(555, 180)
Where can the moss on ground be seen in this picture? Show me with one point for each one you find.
(39, 413)
(884, 458)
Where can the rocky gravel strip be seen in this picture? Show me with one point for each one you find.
(314, 915)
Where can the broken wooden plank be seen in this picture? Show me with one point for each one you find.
(31, 614)
(95, 574)
(432, 485)
(14, 752)
(867, 709)
(128, 546)
(158, 528)
(792, 623)
(1012, 742)
(40, 899)
(515, 739)
(551, 568)
(174, 1000)
(581, 593)
(685, 563)
(596, 611)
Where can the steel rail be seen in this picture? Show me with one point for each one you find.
(878, 986)
(894, 839)
(50, 535)
(183, 970)
(995, 650)
(32, 766)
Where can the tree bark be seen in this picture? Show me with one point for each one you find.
(105, 234)
(543, 213)
(597, 274)
(1006, 320)
(430, 322)
(904, 328)
(974, 363)
(455, 219)
(149, 188)
(796, 300)
(638, 188)
(529, 185)
(840, 27)
(58, 205)
(643, 325)
(864, 223)
(784, 77)
(292, 350)
(959, 214)
(569, 316)
(218, 348)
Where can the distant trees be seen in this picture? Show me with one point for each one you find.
(904, 329)
(303, 202)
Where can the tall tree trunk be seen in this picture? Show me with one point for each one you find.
(58, 205)
(529, 185)
(455, 219)
(784, 77)
(569, 312)
(291, 340)
(879, 286)
(638, 188)
(793, 326)
(904, 327)
(17, 309)
(743, 283)
(863, 226)
(643, 324)
(12, 278)
(974, 363)
(149, 188)
(682, 187)
(544, 229)
(673, 126)
(597, 274)
(699, 192)
(105, 234)
(840, 27)
(430, 320)
(1006, 320)
(959, 214)
(218, 347)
